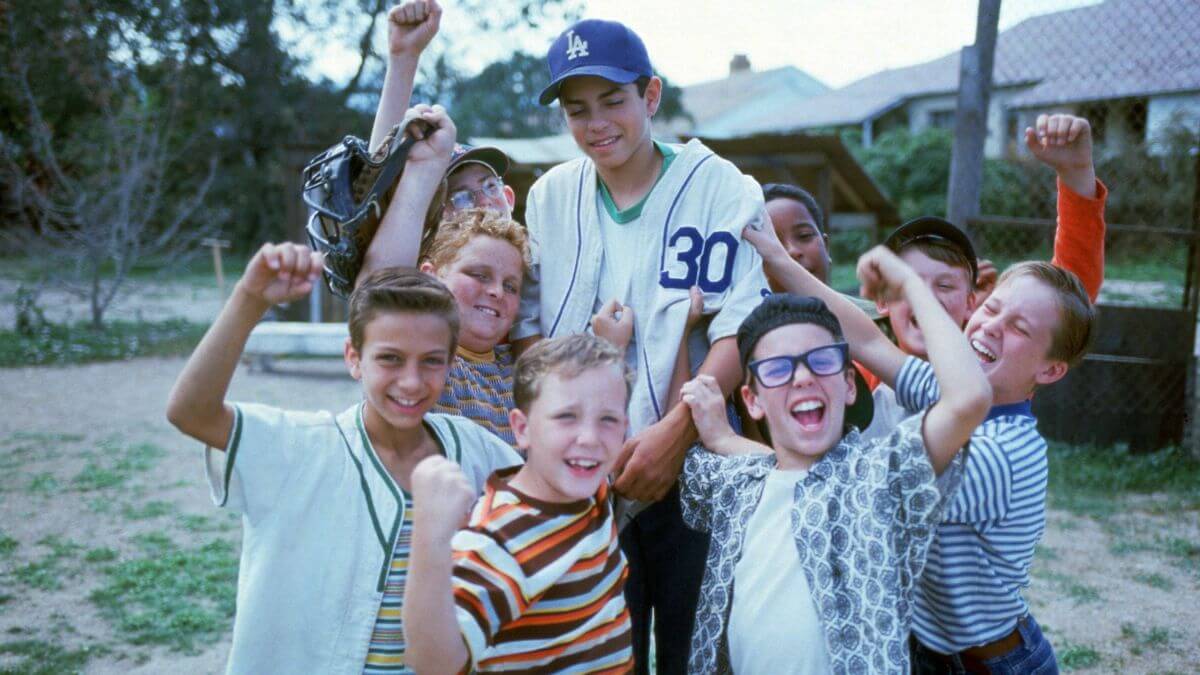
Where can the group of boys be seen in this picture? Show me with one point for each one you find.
(464, 514)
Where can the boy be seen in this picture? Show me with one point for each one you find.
(835, 595)
(481, 257)
(943, 255)
(641, 222)
(534, 583)
(324, 497)
(798, 221)
(1033, 327)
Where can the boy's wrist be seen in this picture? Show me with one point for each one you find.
(248, 300)
(1081, 181)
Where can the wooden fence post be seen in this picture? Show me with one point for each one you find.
(971, 117)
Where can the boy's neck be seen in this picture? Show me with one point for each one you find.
(633, 180)
(390, 441)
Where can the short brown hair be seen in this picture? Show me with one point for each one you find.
(400, 289)
(1076, 323)
(943, 251)
(456, 230)
(568, 357)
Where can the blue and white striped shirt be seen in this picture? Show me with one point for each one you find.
(970, 591)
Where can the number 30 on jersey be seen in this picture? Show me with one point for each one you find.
(707, 263)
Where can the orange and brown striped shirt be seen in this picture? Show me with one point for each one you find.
(540, 586)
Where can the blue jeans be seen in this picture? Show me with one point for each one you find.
(1034, 656)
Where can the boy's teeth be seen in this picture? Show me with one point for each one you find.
(983, 351)
(805, 406)
(583, 463)
(488, 310)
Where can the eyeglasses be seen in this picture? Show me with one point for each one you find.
(779, 370)
(493, 188)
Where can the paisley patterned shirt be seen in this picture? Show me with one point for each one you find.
(862, 521)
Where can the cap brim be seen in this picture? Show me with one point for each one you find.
(493, 158)
(932, 226)
(618, 75)
(862, 411)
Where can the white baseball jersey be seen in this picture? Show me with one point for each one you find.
(689, 234)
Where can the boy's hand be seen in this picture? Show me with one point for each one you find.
(281, 273)
(443, 496)
(1062, 142)
(435, 137)
(762, 236)
(883, 274)
(703, 396)
(411, 26)
(614, 322)
(985, 282)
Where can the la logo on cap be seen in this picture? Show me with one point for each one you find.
(576, 46)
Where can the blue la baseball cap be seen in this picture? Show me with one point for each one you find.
(594, 47)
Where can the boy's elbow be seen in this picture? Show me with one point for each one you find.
(976, 400)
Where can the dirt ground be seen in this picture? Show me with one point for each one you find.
(1107, 601)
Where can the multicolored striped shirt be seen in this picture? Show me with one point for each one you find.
(539, 587)
(970, 591)
(479, 387)
(385, 654)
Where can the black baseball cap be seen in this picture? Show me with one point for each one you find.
(932, 228)
(606, 49)
(784, 309)
(492, 158)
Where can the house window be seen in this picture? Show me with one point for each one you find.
(942, 119)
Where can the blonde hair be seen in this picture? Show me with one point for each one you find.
(567, 356)
(1076, 325)
(455, 231)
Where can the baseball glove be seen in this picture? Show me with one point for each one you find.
(347, 189)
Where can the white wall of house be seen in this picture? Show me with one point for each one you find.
(930, 110)
(1161, 111)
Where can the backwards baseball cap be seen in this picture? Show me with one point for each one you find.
(931, 228)
(493, 158)
(605, 49)
(784, 309)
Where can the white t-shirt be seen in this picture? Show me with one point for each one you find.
(773, 623)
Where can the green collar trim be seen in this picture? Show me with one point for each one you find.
(231, 454)
(401, 496)
(622, 217)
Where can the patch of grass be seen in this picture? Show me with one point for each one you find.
(155, 509)
(197, 523)
(171, 595)
(117, 340)
(1086, 479)
(100, 555)
(119, 466)
(1156, 638)
(1072, 656)
(46, 658)
(1073, 588)
(7, 545)
(44, 575)
(1155, 580)
(42, 484)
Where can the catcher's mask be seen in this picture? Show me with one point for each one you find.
(347, 189)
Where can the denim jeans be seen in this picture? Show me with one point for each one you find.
(1034, 656)
(666, 565)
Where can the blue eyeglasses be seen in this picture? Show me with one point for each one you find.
(777, 371)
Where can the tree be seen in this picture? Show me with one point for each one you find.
(104, 193)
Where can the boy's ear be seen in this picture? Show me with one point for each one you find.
(353, 360)
(510, 196)
(751, 400)
(653, 95)
(851, 386)
(520, 427)
(1051, 372)
(428, 268)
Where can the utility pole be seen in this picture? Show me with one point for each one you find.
(970, 119)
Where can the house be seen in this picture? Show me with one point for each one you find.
(1129, 66)
(718, 108)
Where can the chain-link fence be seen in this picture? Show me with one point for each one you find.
(1132, 69)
